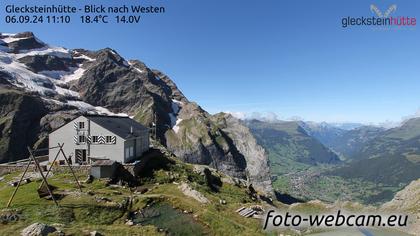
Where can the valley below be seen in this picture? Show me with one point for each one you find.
(316, 161)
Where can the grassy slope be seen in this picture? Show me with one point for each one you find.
(77, 212)
(81, 212)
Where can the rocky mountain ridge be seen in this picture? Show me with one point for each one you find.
(64, 83)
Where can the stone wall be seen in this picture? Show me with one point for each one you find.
(80, 170)
(7, 169)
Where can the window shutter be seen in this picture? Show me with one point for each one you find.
(101, 139)
(76, 139)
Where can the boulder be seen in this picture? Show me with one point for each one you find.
(38, 229)
(95, 233)
(188, 191)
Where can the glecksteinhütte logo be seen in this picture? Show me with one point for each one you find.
(379, 13)
(381, 19)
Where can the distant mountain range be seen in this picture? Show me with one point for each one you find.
(305, 158)
(345, 142)
(392, 157)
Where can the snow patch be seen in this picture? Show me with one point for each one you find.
(55, 74)
(11, 39)
(175, 121)
(113, 52)
(67, 92)
(83, 106)
(8, 34)
(177, 102)
(86, 107)
(176, 127)
(84, 57)
(176, 105)
(43, 82)
(47, 50)
(75, 76)
(24, 77)
(137, 69)
(125, 63)
(48, 82)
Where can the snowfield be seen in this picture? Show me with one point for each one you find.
(48, 83)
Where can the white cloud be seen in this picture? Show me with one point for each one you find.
(263, 116)
(237, 114)
(415, 115)
(392, 124)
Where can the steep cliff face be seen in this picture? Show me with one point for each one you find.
(19, 123)
(195, 138)
(65, 83)
(257, 169)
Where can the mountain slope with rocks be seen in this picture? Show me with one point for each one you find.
(64, 83)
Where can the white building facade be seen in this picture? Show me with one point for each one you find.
(92, 137)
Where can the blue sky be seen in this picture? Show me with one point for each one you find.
(291, 58)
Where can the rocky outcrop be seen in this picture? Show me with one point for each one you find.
(126, 87)
(38, 229)
(47, 63)
(257, 168)
(151, 96)
(27, 41)
(407, 201)
(197, 139)
(19, 123)
(189, 192)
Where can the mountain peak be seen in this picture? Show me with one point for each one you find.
(20, 42)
